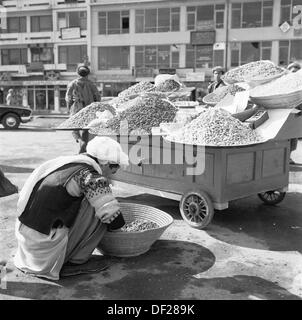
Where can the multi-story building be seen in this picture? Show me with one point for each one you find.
(126, 41)
(131, 40)
(41, 45)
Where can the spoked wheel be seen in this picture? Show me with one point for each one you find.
(196, 209)
(272, 197)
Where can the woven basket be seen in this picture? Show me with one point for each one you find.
(279, 101)
(129, 244)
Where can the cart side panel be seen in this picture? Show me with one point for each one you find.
(257, 169)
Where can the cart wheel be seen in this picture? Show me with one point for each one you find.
(272, 197)
(196, 209)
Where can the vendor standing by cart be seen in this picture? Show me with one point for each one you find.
(217, 72)
(80, 93)
(64, 209)
(293, 67)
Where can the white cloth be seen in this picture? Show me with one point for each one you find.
(40, 254)
(107, 150)
(44, 170)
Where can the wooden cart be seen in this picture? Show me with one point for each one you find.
(229, 173)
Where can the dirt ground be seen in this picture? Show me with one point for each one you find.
(250, 251)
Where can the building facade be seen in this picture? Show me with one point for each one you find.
(128, 41)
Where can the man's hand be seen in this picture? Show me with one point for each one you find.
(109, 211)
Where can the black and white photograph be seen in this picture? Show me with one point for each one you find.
(151, 153)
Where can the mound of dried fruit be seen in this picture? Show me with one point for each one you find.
(131, 93)
(82, 118)
(216, 127)
(253, 70)
(139, 225)
(217, 95)
(149, 111)
(167, 86)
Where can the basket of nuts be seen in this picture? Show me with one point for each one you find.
(144, 225)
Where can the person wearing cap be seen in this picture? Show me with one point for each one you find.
(217, 73)
(64, 209)
(80, 93)
(293, 67)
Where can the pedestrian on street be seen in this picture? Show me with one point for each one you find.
(10, 97)
(81, 92)
(217, 72)
(64, 209)
(293, 67)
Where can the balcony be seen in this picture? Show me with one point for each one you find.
(26, 5)
(67, 4)
(26, 38)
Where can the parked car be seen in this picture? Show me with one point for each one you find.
(12, 116)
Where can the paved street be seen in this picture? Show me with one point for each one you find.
(250, 251)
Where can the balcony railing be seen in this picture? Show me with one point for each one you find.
(27, 4)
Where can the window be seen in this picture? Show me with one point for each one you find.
(16, 24)
(114, 22)
(41, 23)
(283, 52)
(14, 56)
(72, 56)
(157, 20)
(205, 13)
(113, 58)
(41, 97)
(199, 56)
(157, 57)
(44, 55)
(246, 52)
(72, 19)
(252, 14)
(286, 9)
(289, 51)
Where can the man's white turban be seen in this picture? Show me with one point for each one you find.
(107, 150)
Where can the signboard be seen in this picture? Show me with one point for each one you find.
(195, 77)
(205, 25)
(167, 71)
(202, 37)
(285, 26)
(219, 46)
(70, 33)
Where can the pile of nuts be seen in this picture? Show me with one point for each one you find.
(167, 86)
(253, 70)
(216, 127)
(286, 84)
(82, 118)
(131, 93)
(139, 225)
(217, 95)
(149, 111)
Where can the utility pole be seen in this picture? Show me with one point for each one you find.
(227, 34)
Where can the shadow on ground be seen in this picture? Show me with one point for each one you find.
(161, 273)
(247, 222)
(165, 272)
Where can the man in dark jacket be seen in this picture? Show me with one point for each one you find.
(217, 72)
(81, 92)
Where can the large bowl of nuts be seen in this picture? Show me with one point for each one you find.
(143, 226)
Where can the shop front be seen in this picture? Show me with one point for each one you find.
(41, 96)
